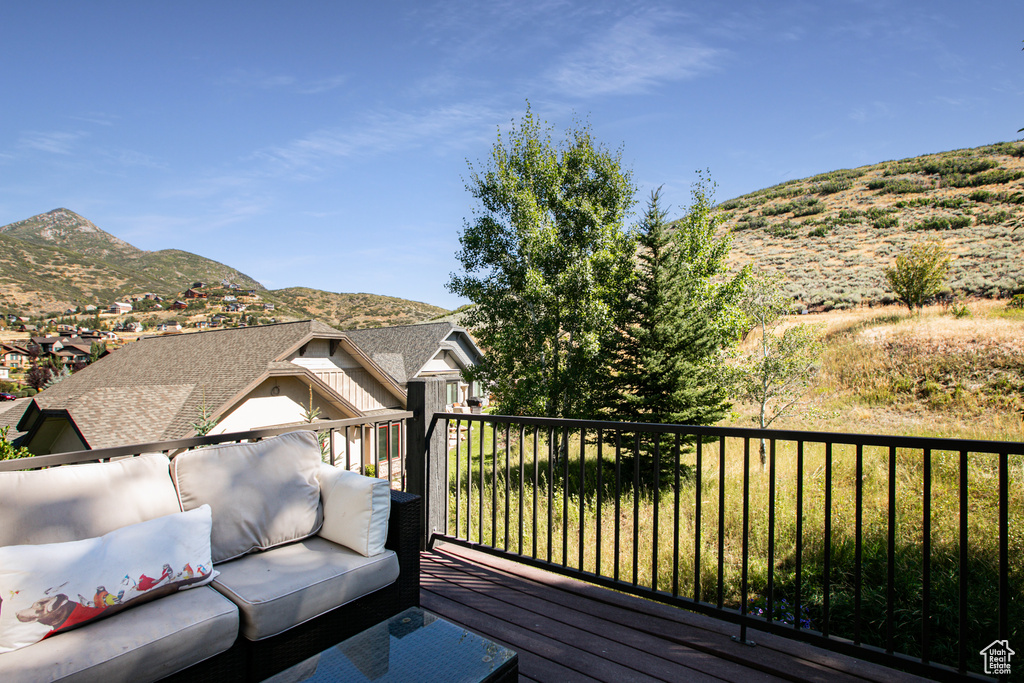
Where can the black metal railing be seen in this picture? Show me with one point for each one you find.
(336, 438)
(892, 549)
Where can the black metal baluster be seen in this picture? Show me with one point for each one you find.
(799, 529)
(494, 484)
(926, 556)
(522, 500)
(618, 499)
(657, 491)
(746, 541)
(890, 593)
(721, 522)
(964, 559)
(675, 525)
(469, 480)
(827, 569)
(600, 492)
(858, 579)
(551, 493)
(458, 478)
(480, 491)
(583, 475)
(330, 444)
(1004, 546)
(565, 497)
(536, 489)
(508, 445)
(636, 508)
(770, 598)
(697, 493)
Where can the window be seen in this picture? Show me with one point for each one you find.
(389, 447)
(453, 392)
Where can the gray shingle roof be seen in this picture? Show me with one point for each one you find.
(153, 389)
(402, 350)
(10, 415)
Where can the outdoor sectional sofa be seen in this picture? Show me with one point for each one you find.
(304, 555)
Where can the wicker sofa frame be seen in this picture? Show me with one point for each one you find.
(256, 660)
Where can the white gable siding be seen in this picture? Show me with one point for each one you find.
(442, 362)
(344, 374)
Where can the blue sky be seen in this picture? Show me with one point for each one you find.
(325, 144)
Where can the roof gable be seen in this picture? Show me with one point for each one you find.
(405, 349)
(155, 388)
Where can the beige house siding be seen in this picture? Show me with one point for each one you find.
(344, 374)
(358, 387)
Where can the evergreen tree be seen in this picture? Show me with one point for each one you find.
(679, 315)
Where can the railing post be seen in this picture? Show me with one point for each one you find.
(426, 450)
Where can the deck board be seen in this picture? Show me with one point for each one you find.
(566, 630)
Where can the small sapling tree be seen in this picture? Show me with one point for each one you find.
(776, 374)
(919, 274)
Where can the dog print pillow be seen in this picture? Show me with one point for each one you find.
(49, 588)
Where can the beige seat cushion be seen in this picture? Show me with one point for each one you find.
(75, 502)
(142, 644)
(310, 577)
(263, 494)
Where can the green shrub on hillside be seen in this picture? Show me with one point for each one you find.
(776, 209)
(996, 177)
(899, 185)
(942, 223)
(1017, 302)
(751, 223)
(807, 207)
(786, 230)
(885, 222)
(832, 186)
(994, 218)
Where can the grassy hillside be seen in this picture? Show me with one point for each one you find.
(832, 234)
(349, 311)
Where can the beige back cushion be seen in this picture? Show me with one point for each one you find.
(75, 502)
(263, 494)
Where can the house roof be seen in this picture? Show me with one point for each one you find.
(153, 389)
(10, 415)
(403, 350)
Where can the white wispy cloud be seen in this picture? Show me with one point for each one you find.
(635, 54)
(260, 80)
(54, 142)
(870, 112)
(452, 126)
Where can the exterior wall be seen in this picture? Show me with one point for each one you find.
(56, 435)
(442, 362)
(265, 407)
(344, 374)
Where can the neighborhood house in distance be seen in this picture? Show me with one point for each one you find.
(247, 378)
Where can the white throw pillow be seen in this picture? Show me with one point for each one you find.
(356, 510)
(53, 587)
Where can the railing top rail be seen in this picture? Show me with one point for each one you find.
(917, 442)
(73, 457)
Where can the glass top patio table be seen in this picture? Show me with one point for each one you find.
(414, 645)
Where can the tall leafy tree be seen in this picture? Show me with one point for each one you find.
(678, 317)
(544, 258)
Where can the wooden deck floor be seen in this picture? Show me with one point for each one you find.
(565, 630)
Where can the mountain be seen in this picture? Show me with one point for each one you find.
(59, 260)
(832, 234)
(349, 311)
